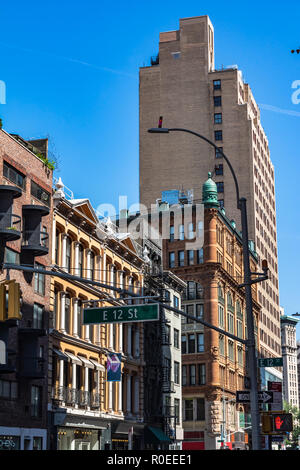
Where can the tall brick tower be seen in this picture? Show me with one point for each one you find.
(183, 85)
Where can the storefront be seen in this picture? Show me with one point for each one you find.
(22, 438)
(81, 432)
(127, 435)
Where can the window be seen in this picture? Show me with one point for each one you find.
(11, 256)
(67, 313)
(231, 350)
(200, 342)
(176, 302)
(200, 311)
(221, 345)
(200, 257)
(218, 152)
(80, 261)
(191, 343)
(192, 368)
(190, 311)
(40, 193)
(14, 175)
(200, 409)
(217, 84)
(181, 232)
(37, 443)
(219, 170)
(39, 281)
(190, 257)
(201, 374)
(57, 246)
(218, 118)
(220, 187)
(184, 375)
(177, 410)
(218, 135)
(188, 410)
(176, 338)
(8, 389)
(217, 101)
(176, 373)
(230, 322)
(91, 273)
(68, 254)
(36, 401)
(172, 259)
(191, 231)
(38, 316)
(172, 233)
(181, 258)
(221, 202)
(183, 344)
(221, 316)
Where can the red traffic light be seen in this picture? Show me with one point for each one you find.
(283, 422)
(160, 122)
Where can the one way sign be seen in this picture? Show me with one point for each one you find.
(263, 397)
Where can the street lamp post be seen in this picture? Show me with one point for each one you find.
(248, 281)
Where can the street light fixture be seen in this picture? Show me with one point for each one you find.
(248, 281)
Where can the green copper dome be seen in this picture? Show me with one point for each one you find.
(210, 193)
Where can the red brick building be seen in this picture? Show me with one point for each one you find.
(206, 252)
(25, 229)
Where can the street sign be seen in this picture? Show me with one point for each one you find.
(263, 397)
(275, 386)
(121, 314)
(271, 362)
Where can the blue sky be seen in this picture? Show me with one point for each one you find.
(71, 73)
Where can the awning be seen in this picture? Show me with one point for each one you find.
(60, 354)
(98, 366)
(159, 434)
(73, 358)
(86, 362)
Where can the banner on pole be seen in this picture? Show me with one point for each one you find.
(113, 367)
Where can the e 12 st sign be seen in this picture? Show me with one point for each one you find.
(121, 314)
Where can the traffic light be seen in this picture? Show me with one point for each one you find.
(283, 422)
(10, 301)
(160, 122)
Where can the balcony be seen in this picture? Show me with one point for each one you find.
(74, 397)
(10, 226)
(35, 242)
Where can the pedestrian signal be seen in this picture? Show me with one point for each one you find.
(283, 422)
(10, 301)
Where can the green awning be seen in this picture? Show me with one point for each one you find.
(159, 434)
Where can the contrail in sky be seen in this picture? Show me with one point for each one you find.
(269, 107)
(70, 59)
